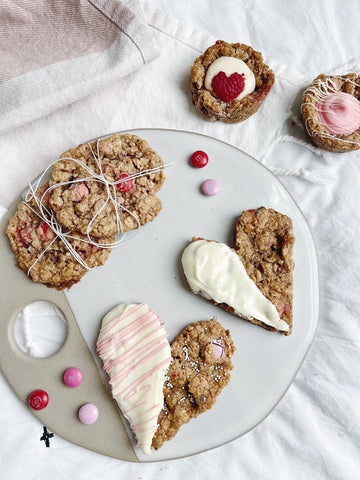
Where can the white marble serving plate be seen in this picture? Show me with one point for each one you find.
(147, 269)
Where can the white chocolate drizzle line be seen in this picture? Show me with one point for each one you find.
(319, 90)
(48, 217)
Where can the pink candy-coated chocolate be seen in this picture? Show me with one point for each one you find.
(88, 413)
(38, 399)
(218, 350)
(73, 377)
(339, 113)
(210, 187)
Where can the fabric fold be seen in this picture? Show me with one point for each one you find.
(79, 47)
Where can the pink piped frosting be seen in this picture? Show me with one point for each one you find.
(339, 113)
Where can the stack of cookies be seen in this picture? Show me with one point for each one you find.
(96, 191)
(252, 280)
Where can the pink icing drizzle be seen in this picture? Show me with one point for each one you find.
(339, 113)
(131, 346)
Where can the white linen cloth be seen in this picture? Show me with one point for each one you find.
(315, 430)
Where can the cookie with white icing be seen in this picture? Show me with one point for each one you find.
(330, 112)
(229, 82)
(136, 354)
(199, 370)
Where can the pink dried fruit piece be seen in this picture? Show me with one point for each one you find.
(126, 185)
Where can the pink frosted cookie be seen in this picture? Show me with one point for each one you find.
(330, 112)
(108, 186)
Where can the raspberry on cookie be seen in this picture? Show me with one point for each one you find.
(229, 82)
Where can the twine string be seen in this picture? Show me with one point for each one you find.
(48, 217)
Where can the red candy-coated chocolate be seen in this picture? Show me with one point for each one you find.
(125, 186)
(199, 159)
(38, 399)
(228, 88)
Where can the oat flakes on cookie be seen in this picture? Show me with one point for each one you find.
(42, 255)
(199, 370)
(264, 241)
(80, 200)
(229, 82)
(330, 112)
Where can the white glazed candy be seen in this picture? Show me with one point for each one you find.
(136, 353)
(215, 271)
(230, 65)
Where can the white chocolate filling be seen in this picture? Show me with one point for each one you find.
(216, 272)
(230, 65)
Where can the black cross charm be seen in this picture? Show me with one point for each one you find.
(46, 436)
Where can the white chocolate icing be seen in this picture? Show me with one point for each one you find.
(216, 272)
(230, 65)
(136, 353)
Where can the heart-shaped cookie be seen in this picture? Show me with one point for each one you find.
(254, 280)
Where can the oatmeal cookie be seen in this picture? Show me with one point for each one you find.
(82, 203)
(264, 241)
(330, 112)
(42, 255)
(199, 370)
(229, 82)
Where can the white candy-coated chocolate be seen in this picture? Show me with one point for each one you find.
(215, 271)
(136, 353)
(230, 65)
